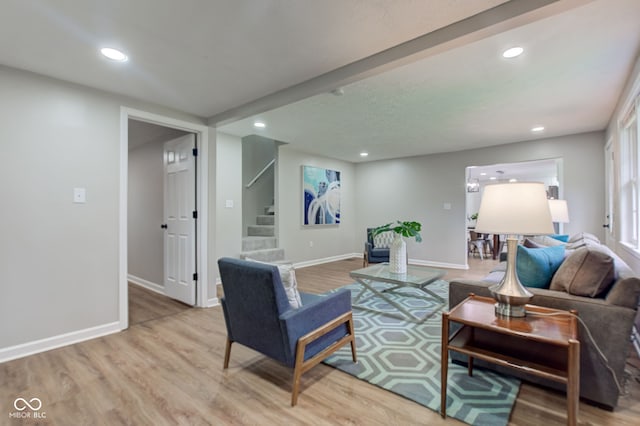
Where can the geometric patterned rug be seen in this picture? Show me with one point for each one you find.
(404, 357)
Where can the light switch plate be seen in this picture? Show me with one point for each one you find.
(79, 195)
(447, 206)
(229, 204)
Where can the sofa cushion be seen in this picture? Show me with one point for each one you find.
(586, 272)
(546, 241)
(585, 242)
(583, 236)
(560, 237)
(535, 266)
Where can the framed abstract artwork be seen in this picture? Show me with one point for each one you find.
(320, 196)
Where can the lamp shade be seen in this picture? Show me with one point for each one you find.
(518, 208)
(559, 211)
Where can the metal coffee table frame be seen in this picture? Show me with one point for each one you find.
(418, 277)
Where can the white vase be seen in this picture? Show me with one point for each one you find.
(398, 255)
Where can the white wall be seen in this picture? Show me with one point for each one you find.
(228, 239)
(328, 241)
(418, 188)
(146, 213)
(59, 260)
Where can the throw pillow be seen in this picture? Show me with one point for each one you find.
(546, 240)
(383, 240)
(585, 242)
(560, 237)
(289, 282)
(531, 244)
(583, 236)
(587, 272)
(535, 266)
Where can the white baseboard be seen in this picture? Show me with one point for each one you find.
(213, 302)
(37, 346)
(359, 255)
(437, 264)
(146, 284)
(326, 260)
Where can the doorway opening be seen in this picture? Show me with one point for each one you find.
(548, 171)
(163, 212)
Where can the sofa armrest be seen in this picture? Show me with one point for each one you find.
(625, 292)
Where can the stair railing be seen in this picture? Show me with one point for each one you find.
(261, 172)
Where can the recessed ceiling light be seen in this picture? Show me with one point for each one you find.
(492, 178)
(364, 154)
(113, 54)
(513, 180)
(537, 129)
(483, 174)
(259, 124)
(513, 52)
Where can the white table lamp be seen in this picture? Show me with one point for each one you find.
(559, 211)
(519, 208)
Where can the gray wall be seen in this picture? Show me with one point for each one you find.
(228, 238)
(146, 213)
(418, 188)
(257, 152)
(328, 241)
(59, 260)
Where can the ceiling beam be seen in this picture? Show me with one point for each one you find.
(506, 16)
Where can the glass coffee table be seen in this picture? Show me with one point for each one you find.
(418, 277)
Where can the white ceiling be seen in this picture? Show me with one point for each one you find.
(207, 56)
(224, 59)
(569, 79)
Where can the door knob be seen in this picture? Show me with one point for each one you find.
(163, 226)
(606, 225)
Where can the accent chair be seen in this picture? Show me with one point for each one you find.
(376, 253)
(258, 315)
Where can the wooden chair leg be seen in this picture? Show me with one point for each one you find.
(227, 353)
(353, 340)
(365, 260)
(297, 373)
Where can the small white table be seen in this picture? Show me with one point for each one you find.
(416, 277)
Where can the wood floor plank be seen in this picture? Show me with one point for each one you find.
(166, 369)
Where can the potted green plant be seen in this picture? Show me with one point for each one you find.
(398, 248)
(404, 229)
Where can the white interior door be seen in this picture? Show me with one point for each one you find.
(609, 167)
(180, 219)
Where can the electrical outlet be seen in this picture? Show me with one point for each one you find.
(79, 195)
(310, 243)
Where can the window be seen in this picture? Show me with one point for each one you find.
(629, 178)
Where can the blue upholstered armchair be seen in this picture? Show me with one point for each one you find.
(258, 315)
(373, 254)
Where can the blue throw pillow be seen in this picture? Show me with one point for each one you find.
(560, 237)
(535, 266)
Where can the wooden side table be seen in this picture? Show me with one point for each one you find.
(544, 345)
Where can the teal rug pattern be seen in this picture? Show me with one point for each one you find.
(404, 358)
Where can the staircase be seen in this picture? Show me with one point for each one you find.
(261, 243)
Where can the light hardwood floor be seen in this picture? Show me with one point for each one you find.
(168, 370)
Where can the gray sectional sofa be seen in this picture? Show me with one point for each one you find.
(609, 316)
